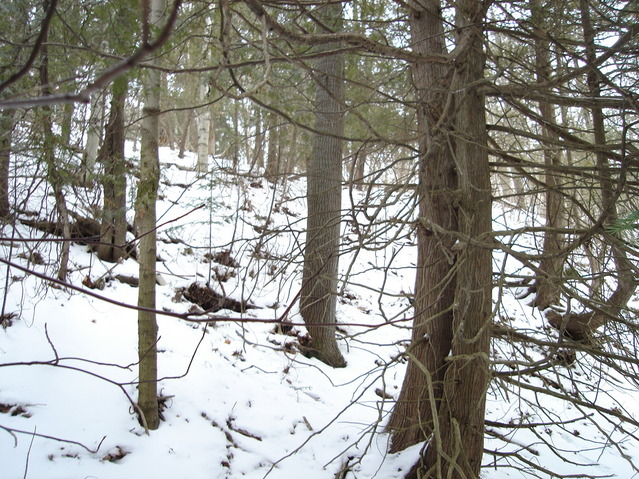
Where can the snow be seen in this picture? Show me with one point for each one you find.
(240, 402)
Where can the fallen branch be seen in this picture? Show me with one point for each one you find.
(13, 432)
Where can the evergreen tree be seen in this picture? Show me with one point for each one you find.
(324, 200)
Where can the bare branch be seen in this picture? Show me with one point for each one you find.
(13, 431)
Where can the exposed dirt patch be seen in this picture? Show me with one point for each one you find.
(211, 301)
(14, 410)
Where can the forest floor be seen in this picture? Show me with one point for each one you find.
(238, 398)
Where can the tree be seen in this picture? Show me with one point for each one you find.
(94, 131)
(552, 261)
(204, 114)
(203, 120)
(324, 200)
(113, 226)
(413, 417)
(580, 326)
(6, 133)
(146, 224)
(15, 21)
(272, 169)
(562, 114)
(54, 173)
(443, 399)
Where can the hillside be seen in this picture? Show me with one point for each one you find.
(239, 399)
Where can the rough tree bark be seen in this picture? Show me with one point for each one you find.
(455, 387)
(458, 448)
(6, 133)
(552, 262)
(412, 418)
(113, 225)
(324, 198)
(186, 125)
(146, 222)
(272, 170)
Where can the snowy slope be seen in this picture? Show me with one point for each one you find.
(239, 401)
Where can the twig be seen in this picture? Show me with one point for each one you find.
(26, 463)
(191, 317)
(53, 438)
(157, 227)
(46, 333)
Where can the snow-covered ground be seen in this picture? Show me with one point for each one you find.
(239, 400)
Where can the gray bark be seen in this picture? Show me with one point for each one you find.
(324, 198)
(93, 139)
(146, 223)
(551, 265)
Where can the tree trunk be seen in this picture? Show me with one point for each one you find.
(146, 223)
(203, 129)
(458, 448)
(53, 172)
(66, 127)
(6, 134)
(358, 167)
(235, 145)
(113, 226)
(421, 394)
(324, 197)
(291, 155)
(552, 262)
(449, 354)
(93, 139)
(185, 132)
(272, 170)
(625, 280)
(582, 325)
(257, 156)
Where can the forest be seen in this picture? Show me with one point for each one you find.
(346, 238)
